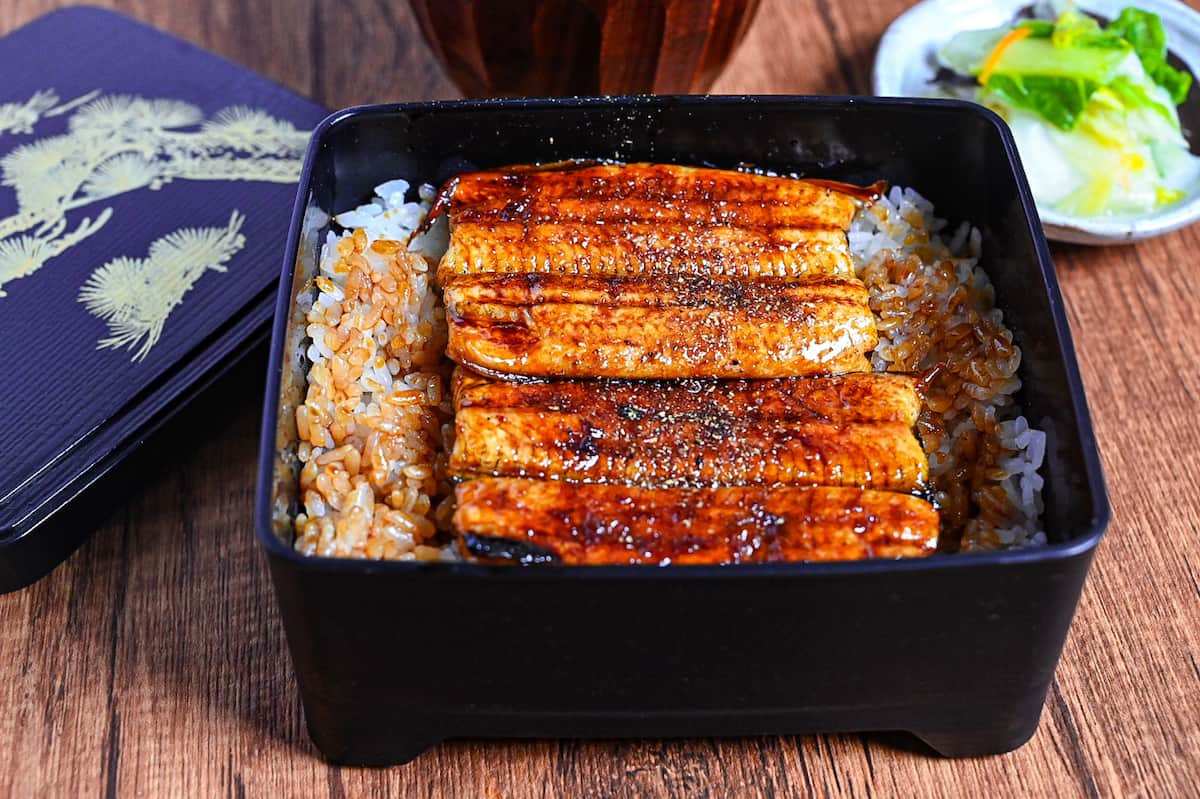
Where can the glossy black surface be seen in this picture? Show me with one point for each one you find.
(393, 657)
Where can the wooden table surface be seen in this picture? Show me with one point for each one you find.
(153, 662)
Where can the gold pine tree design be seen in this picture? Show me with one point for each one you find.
(117, 144)
(135, 296)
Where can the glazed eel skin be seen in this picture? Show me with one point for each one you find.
(652, 271)
(625, 220)
(653, 281)
(850, 430)
(571, 326)
(532, 521)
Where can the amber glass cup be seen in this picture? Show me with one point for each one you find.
(531, 48)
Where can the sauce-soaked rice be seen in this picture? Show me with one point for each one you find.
(935, 306)
(371, 426)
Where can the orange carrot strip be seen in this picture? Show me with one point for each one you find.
(1012, 37)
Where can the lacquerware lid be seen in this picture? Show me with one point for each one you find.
(145, 191)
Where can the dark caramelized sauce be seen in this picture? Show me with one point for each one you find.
(575, 524)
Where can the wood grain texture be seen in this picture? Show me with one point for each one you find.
(153, 663)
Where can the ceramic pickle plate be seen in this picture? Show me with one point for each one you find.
(905, 63)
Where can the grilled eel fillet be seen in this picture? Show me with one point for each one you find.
(852, 430)
(626, 220)
(532, 521)
(576, 326)
(651, 271)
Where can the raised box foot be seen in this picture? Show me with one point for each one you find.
(356, 749)
(977, 741)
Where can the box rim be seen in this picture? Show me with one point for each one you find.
(1082, 545)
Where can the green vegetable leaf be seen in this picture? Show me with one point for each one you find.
(1059, 100)
(1135, 96)
(1144, 31)
(1079, 30)
(1039, 28)
(966, 51)
(1032, 56)
(1175, 81)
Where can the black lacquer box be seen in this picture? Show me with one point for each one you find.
(144, 188)
(958, 649)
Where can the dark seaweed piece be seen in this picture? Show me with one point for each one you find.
(505, 550)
